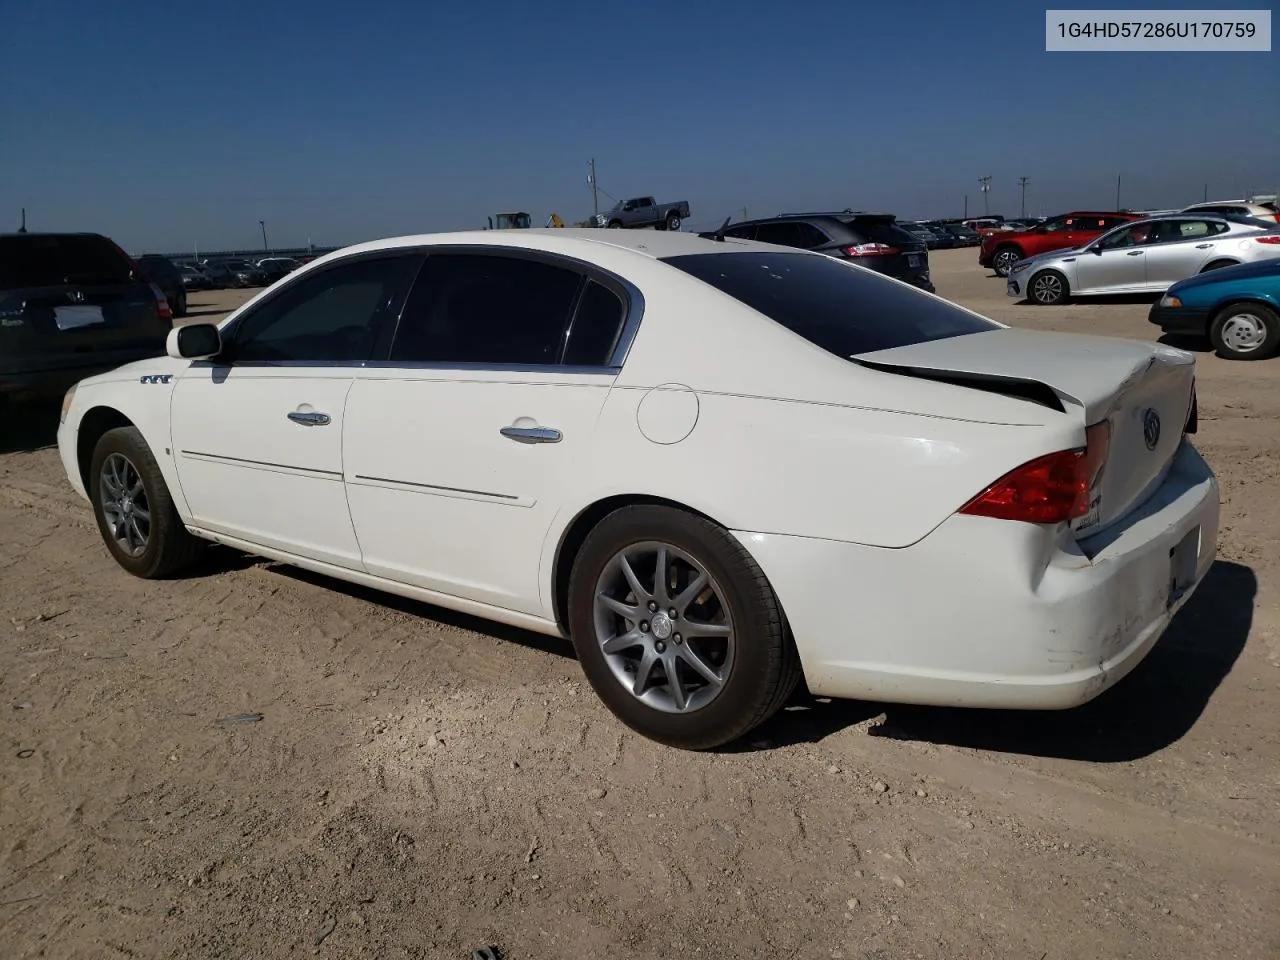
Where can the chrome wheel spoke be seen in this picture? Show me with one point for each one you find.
(624, 610)
(661, 576)
(142, 513)
(692, 628)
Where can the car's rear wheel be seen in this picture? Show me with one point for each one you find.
(673, 222)
(180, 304)
(677, 628)
(1245, 331)
(1004, 259)
(135, 513)
(1048, 288)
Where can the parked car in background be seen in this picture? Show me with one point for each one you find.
(1237, 208)
(1237, 308)
(1146, 256)
(194, 279)
(964, 236)
(1000, 251)
(873, 240)
(273, 268)
(161, 271)
(220, 274)
(1040, 486)
(644, 212)
(934, 238)
(72, 305)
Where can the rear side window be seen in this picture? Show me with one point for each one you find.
(477, 308)
(595, 328)
(882, 231)
(844, 309)
(36, 260)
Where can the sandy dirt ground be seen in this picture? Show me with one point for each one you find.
(421, 784)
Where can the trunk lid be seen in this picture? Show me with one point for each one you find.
(1145, 392)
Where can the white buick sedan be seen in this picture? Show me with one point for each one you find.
(717, 466)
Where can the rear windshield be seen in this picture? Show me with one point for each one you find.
(881, 231)
(842, 308)
(35, 260)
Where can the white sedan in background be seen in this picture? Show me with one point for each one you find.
(1144, 256)
(717, 466)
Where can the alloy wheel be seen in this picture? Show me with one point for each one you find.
(664, 627)
(1004, 260)
(1047, 288)
(124, 504)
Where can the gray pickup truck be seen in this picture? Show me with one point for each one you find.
(644, 212)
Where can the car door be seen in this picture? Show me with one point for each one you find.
(1116, 261)
(1181, 250)
(461, 447)
(257, 432)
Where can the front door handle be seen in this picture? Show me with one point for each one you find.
(532, 434)
(1135, 253)
(309, 418)
(1203, 246)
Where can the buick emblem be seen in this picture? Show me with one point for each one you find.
(1151, 428)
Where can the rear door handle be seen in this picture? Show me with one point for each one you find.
(1135, 253)
(532, 434)
(1203, 246)
(310, 418)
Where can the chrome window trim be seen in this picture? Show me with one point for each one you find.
(632, 299)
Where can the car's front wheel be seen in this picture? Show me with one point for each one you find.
(135, 513)
(1245, 331)
(677, 628)
(1048, 288)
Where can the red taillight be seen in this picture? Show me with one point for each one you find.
(871, 250)
(1049, 489)
(1273, 239)
(162, 304)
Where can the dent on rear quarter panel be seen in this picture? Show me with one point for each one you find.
(812, 470)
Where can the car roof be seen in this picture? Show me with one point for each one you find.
(654, 244)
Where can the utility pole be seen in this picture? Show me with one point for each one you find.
(1206, 193)
(263, 225)
(966, 206)
(1022, 182)
(23, 228)
(1117, 193)
(985, 184)
(595, 196)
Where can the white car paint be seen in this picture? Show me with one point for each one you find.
(842, 479)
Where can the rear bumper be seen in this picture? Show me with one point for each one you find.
(1180, 320)
(989, 613)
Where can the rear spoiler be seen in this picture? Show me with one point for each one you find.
(1019, 388)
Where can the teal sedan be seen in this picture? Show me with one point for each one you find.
(1237, 308)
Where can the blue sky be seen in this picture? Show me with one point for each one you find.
(165, 124)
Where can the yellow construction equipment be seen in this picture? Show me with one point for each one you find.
(519, 221)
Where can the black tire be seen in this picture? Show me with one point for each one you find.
(765, 667)
(169, 547)
(1004, 258)
(1236, 327)
(1048, 288)
(180, 304)
(673, 222)
(615, 224)
(1218, 265)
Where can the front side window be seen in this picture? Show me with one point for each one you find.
(487, 309)
(328, 317)
(1125, 237)
(844, 309)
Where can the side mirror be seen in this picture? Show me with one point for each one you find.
(195, 341)
(1096, 250)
